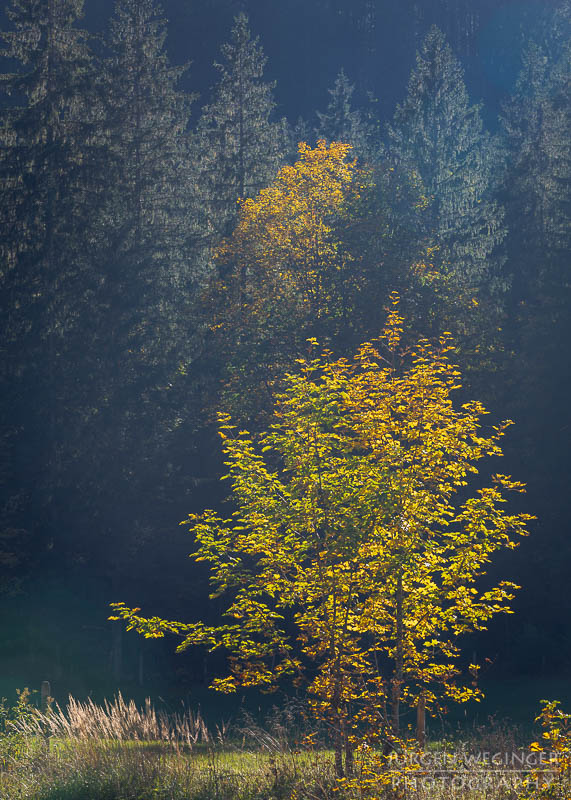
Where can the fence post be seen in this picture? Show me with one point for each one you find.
(45, 702)
(45, 696)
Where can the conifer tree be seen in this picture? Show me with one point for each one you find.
(241, 148)
(46, 163)
(147, 226)
(138, 337)
(146, 124)
(341, 123)
(536, 124)
(437, 134)
(45, 150)
(300, 131)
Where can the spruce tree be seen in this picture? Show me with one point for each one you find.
(438, 135)
(241, 147)
(536, 124)
(341, 123)
(46, 163)
(46, 153)
(146, 121)
(137, 331)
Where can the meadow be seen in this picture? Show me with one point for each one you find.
(121, 751)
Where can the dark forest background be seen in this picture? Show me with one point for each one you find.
(123, 152)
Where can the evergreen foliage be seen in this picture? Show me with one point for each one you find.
(240, 147)
(537, 124)
(342, 123)
(46, 181)
(146, 263)
(437, 134)
(45, 162)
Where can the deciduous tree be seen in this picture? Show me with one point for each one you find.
(316, 253)
(352, 557)
(283, 272)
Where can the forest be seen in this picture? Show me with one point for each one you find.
(202, 200)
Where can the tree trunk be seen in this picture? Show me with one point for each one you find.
(348, 750)
(421, 722)
(339, 771)
(398, 673)
(117, 653)
(141, 666)
(395, 706)
(45, 696)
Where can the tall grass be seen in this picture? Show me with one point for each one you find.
(118, 751)
(117, 721)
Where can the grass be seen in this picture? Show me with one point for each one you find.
(120, 751)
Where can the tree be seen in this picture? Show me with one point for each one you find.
(146, 231)
(341, 123)
(43, 128)
(287, 232)
(283, 272)
(45, 160)
(135, 343)
(46, 167)
(438, 135)
(241, 148)
(536, 123)
(352, 556)
(99, 249)
(317, 253)
(145, 125)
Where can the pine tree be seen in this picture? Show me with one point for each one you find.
(438, 135)
(339, 123)
(241, 148)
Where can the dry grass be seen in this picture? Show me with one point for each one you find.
(117, 721)
(119, 751)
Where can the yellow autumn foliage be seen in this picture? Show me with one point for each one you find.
(287, 234)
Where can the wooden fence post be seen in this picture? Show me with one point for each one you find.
(45, 696)
(45, 703)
